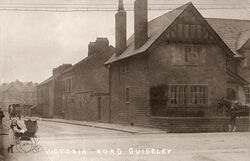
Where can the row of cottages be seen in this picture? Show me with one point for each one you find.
(49, 94)
(185, 58)
(79, 91)
(180, 58)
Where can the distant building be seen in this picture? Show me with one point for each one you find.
(80, 91)
(49, 100)
(195, 60)
(17, 93)
(85, 86)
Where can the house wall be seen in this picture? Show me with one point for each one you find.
(90, 83)
(156, 68)
(244, 67)
(137, 110)
(212, 73)
(68, 103)
(43, 100)
(58, 98)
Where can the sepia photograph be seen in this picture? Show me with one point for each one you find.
(124, 80)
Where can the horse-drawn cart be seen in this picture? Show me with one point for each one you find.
(15, 110)
(237, 110)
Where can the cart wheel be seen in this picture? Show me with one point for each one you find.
(26, 144)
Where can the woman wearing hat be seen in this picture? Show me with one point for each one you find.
(16, 131)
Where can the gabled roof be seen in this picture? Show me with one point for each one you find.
(226, 29)
(243, 39)
(155, 28)
(229, 31)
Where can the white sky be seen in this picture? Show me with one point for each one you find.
(32, 43)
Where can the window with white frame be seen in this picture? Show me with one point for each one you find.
(188, 55)
(198, 95)
(178, 94)
(188, 94)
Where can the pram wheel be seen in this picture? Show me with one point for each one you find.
(37, 148)
(26, 143)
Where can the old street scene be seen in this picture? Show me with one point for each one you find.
(127, 80)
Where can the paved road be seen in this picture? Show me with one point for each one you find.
(64, 142)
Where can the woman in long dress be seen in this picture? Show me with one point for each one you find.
(15, 132)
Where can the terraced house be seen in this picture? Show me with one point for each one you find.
(85, 94)
(194, 60)
(49, 94)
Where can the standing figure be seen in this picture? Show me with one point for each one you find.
(10, 108)
(15, 132)
(233, 116)
(1, 116)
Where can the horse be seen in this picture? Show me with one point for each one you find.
(234, 109)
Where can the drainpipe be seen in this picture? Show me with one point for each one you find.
(109, 67)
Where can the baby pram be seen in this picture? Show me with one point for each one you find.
(27, 141)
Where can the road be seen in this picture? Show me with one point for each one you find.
(65, 142)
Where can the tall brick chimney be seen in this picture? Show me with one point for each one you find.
(120, 29)
(140, 22)
(100, 45)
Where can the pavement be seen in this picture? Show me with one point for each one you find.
(64, 140)
(107, 126)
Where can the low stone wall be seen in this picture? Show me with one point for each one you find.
(198, 124)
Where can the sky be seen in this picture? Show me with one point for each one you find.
(32, 43)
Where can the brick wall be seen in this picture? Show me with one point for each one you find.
(58, 98)
(136, 110)
(45, 99)
(90, 83)
(212, 73)
(207, 124)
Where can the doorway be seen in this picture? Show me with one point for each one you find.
(231, 94)
(99, 108)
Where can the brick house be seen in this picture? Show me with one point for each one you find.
(85, 85)
(195, 58)
(49, 96)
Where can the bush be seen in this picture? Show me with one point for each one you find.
(158, 96)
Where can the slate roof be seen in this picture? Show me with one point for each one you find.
(47, 80)
(243, 38)
(155, 28)
(227, 29)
